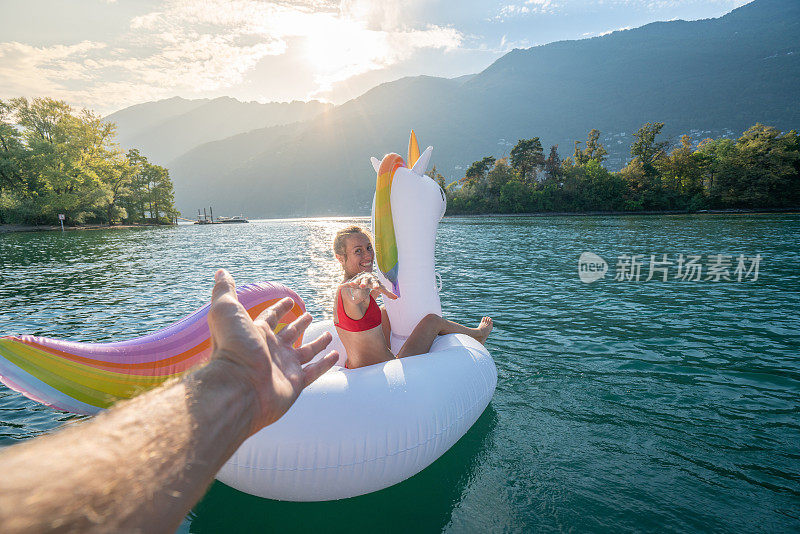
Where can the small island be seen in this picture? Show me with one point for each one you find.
(758, 171)
(56, 161)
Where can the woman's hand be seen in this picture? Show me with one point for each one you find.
(365, 284)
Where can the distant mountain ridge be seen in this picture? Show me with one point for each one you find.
(165, 129)
(133, 120)
(708, 78)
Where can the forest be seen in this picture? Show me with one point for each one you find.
(54, 160)
(759, 170)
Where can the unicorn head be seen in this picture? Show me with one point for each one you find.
(405, 215)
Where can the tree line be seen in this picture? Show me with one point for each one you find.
(54, 161)
(760, 169)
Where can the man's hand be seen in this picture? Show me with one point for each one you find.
(141, 465)
(266, 361)
(367, 283)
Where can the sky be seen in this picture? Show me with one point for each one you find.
(109, 54)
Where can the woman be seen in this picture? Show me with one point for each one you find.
(363, 326)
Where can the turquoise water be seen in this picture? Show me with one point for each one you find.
(620, 406)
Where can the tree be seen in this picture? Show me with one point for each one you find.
(117, 177)
(760, 169)
(578, 157)
(499, 176)
(682, 176)
(159, 197)
(515, 197)
(646, 149)
(526, 156)
(66, 155)
(438, 178)
(476, 173)
(590, 187)
(42, 119)
(767, 162)
(12, 151)
(54, 160)
(134, 196)
(552, 165)
(595, 151)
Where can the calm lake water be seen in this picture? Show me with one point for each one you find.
(620, 405)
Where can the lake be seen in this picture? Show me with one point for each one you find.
(624, 404)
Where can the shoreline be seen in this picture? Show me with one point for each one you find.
(622, 213)
(13, 228)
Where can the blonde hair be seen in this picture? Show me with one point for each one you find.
(340, 240)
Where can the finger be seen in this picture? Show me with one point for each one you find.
(223, 284)
(389, 293)
(318, 368)
(309, 350)
(225, 304)
(290, 333)
(273, 315)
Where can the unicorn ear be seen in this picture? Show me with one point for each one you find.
(376, 164)
(422, 163)
(413, 150)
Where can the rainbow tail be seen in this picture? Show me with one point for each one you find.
(85, 378)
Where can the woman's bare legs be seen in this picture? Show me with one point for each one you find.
(386, 326)
(432, 325)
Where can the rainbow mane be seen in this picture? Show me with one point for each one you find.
(385, 240)
(85, 377)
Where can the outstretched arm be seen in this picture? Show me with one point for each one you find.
(141, 465)
(363, 285)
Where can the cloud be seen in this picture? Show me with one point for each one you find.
(384, 15)
(201, 46)
(23, 67)
(526, 8)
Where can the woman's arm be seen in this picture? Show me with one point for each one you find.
(353, 294)
(359, 289)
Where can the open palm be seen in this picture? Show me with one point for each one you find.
(267, 361)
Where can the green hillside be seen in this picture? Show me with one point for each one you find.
(708, 78)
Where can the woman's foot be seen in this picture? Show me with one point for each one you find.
(484, 329)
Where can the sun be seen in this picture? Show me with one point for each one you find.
(342, 48)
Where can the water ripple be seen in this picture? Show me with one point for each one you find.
(620, 406)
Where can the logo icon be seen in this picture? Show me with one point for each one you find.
(591, 267)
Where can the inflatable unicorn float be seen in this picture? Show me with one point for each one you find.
(351, 432)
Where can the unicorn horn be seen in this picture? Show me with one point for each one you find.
(413, 150)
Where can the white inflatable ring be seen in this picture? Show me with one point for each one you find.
(356, 431)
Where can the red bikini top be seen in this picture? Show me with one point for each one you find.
(371, 319)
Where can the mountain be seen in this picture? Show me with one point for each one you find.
(166, 129)
(134, 120)
(707, 78)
